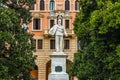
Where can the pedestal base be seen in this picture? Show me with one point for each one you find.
(58, 76)
(58, 66)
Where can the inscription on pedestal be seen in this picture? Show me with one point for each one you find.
(58, 68)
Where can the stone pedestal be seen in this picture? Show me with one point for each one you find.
(58, 66)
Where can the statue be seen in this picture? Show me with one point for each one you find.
(59, 31)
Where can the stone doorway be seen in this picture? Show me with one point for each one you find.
(48, 69)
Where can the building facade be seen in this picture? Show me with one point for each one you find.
(44, 16)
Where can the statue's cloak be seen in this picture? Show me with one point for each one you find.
(53, 30)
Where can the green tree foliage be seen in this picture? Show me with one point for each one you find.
(97, 26)
(16, 47)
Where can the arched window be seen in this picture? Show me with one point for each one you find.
(67, 5)
(52, 5)
(76, 5)
(42, 5)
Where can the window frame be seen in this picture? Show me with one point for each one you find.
(41, 44)
(76, 5)
(66, 45)
(36, 44)
(51, 25)
(42, 7)
(66, 7)
(51, 44)
(53, 2)
(40, 29)
(67, 27)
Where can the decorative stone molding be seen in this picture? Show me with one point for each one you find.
(51, 17)
(36, 15)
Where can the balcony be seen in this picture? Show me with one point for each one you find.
(70, 33)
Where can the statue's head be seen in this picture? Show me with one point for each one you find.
(59, 20)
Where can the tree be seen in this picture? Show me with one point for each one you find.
(16, 47)
(97, 26)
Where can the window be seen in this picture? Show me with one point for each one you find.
(51, 23)
(32, 7)
(42, 5)
(52, 5)
(34, 43)
(67, 5)
(40, 44)
(66, 44)
(36, 24)
(67, 24)
(52, 44)
(76, 5)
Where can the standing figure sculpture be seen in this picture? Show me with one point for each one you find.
(59, 31)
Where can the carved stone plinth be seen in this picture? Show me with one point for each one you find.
(58, 66)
